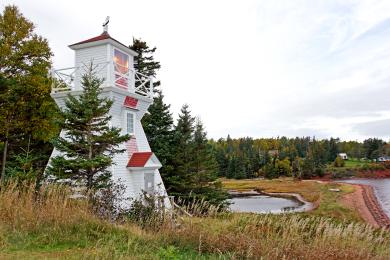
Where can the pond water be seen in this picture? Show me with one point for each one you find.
(381, 189)
(263, 204)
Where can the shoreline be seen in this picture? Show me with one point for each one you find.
(367, 204)
(304, 207)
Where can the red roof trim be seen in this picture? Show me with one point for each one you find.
(103, 36)
(139, 159)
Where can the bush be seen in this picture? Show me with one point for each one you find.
(109, 202)
(147, 211)
(270, 171)
(338, 162)
(319, 171)
(283, 167)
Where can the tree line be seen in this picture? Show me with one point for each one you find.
(301, 157)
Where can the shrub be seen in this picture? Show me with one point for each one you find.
(338, 162)
(283, 167)
(109, 202)
(270, 171)
(319, 171)
(147, 212)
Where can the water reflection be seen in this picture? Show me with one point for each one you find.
(263, 204)
(381, 189)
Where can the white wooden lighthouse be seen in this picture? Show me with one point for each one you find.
(132, 93)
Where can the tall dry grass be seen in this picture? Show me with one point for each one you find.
(51, 218)
(22, 208)
(282, 237)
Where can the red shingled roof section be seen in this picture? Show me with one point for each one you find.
(102, 36)
(139, 159)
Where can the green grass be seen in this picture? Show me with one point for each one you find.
(330, 204)
(92, 240)
(354, 163)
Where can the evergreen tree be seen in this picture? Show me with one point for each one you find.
(89, 143)
(158, 127)
(181, 182)
(158, 123)
(144, 62)
(205, 168)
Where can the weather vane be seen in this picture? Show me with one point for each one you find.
(105, 24)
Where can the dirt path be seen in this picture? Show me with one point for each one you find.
(363, 199)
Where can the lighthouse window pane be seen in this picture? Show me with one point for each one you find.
(130, 123)
(121, 61)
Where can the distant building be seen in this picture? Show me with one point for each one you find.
(383, 159)
(343, 156)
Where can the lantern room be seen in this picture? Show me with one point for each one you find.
(111, 61)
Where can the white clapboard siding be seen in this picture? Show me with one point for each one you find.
(97, 55)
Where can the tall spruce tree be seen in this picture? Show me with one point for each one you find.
(89, 143)
(144, 62)
(158, 127)
(158, 123)
(195, 167)
(205, 168)
(181, 182)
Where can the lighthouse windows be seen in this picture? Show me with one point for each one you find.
(121, 64)
(130, 119)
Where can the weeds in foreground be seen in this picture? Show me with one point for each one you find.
(53, 224)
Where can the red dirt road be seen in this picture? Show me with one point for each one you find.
(364, 200)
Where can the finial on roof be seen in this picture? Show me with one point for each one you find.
(105, 25)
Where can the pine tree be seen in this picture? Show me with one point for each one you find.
(181, 183)
(89, 143)
(158, 123)
(158, 127)
(205, 168)
(144, 62)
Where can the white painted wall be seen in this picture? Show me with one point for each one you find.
(83, 58)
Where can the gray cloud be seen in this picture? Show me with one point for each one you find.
(380, 128)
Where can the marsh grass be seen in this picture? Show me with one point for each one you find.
(200, 207)
(51, 225)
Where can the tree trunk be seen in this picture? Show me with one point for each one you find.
(3, 162)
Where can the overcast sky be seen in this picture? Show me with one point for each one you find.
(249, 68)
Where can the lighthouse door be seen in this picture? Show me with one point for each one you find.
(149, 182)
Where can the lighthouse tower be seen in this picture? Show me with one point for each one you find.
(132, 93)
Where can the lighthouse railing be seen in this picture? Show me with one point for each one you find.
(133, 80)
(69, 79)
(143, 84)
(62, 79)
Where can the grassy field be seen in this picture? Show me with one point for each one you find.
(354, 163)
(329, 204)
(55, 227)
